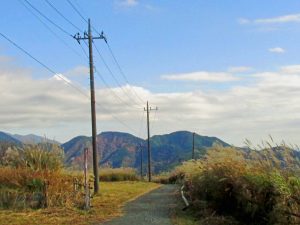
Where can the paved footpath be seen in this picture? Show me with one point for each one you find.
(154, 207)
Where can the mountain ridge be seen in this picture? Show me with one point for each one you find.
(7, 138)
(119, 149)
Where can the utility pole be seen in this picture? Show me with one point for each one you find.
(193, 151)
(88, 36)
(141, 149)
(148, 141)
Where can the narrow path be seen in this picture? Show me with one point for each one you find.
(152, 208)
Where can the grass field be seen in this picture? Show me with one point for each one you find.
(106, 205)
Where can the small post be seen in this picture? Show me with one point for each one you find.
(45, 190)
(86, 186)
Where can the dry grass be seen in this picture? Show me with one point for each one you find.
(118, 174)
(15, 183)
(227, 188)
(106, 205)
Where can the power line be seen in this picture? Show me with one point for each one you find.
(62, 15)
(141, 124)
(77, 11)
(42, 64)
(48, 19)
(50, 30)
(90, 38)
(111, 52)
(154, 120)
(57, 74)
(84, 52)
(121, 71)
(110, 89)
(52, 71)
(68, 82)
(104, 81)
(116, 118)
(107, 67)
(113, 76)
(80, 14)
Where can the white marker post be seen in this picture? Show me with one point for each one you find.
(86, 186)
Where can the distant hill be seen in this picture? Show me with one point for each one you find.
(283, 157)
(73, 149)
(118, 149)
(7, 139)
(33, 139)
(171, 149)
(115, 149)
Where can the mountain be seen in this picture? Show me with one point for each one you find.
(115, 149)
(33, 139)
(73, 149)
(171, 149)
(118, 149)
(7, 139)
(278, 157)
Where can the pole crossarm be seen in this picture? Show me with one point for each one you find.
(78, 37)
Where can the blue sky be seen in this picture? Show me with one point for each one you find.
(206, 48)
(169, 37)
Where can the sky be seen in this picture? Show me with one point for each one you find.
(229, 69)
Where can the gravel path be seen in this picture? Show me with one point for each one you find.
(154, 207)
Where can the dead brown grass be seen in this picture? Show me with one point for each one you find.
(106, 205)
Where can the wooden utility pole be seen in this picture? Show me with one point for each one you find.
(193, 151)
(88, 36)
(148, 140)
(141, 149)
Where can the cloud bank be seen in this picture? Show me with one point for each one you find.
(270, 105)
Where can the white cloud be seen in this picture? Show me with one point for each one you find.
(243, 21)
(201, 76)
(281, 19)
(277, 50)
(79, 71)
(292, 69)
(270, 105)
(61, 77)
(290, 18)
(239, 69)
(128, 3)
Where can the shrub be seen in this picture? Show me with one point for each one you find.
(168, 178)
(42, 156)
(28, 188)
(118, 174)
(228, 184)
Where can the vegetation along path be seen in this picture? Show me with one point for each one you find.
(153, 208)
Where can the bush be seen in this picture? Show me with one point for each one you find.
(28, 188)
(118, 174)
(226, 183)
(42, 156)
(167, 178)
